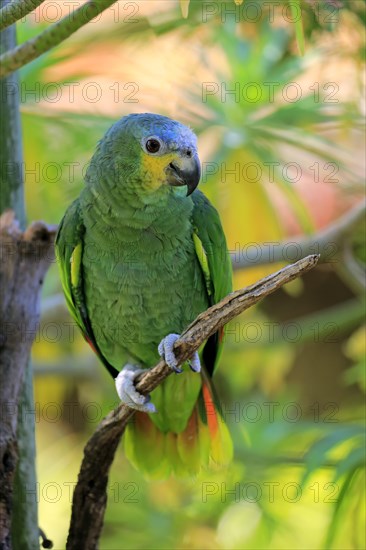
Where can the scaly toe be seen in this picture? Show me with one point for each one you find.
(165, 350)
(195, 363)
(127, 392)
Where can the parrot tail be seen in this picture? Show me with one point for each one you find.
(205, 443)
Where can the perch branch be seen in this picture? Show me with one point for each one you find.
(13, 59)
(90, 497)
(15, 10)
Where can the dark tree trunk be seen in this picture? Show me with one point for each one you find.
(24, 260)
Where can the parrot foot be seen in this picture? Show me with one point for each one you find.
(127, 392)
(165, 350)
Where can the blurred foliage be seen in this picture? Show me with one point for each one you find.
(292, 377)
(355, 349)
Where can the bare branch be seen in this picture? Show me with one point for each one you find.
(52, 36)
(351, 270)
(15, 10)
(90, 497)
(326, 243)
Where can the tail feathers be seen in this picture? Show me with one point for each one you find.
(154, 453)
(205, 443)
(220, 442)
(145, 447)
(193, 444)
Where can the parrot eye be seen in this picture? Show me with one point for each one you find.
(153, 145)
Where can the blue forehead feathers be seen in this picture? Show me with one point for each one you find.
(172, 132)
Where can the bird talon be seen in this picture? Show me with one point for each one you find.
(127, 392)
(177, 370)
(165, 350)
(195, 363)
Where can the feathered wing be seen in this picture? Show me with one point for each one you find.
(69, 253)
(212, 253)
(206, 440)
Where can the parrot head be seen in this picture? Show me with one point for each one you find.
(153, 150)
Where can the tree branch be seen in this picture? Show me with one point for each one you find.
(17, 9)
(90, 497)
(17, 440)
(25, 258)
(52, 36)
(11, 150)
(326, 243)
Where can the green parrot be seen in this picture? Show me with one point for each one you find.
(141, 253)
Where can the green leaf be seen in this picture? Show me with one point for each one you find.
(318, 453)
(331, 533)
(355, 459)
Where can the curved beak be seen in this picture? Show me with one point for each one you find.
(184, 171)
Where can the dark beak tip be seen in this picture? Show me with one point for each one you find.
(189, 176)
(189, 191)
(192, 186)
(194, 180)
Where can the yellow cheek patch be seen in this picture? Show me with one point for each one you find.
(154, 168)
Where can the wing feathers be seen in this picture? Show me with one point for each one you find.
(69, 254)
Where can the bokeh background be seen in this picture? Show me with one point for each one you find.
(282, 147)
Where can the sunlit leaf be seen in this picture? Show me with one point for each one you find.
(348, 483)
(356, 458)
(318, 453)
(184, 6)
